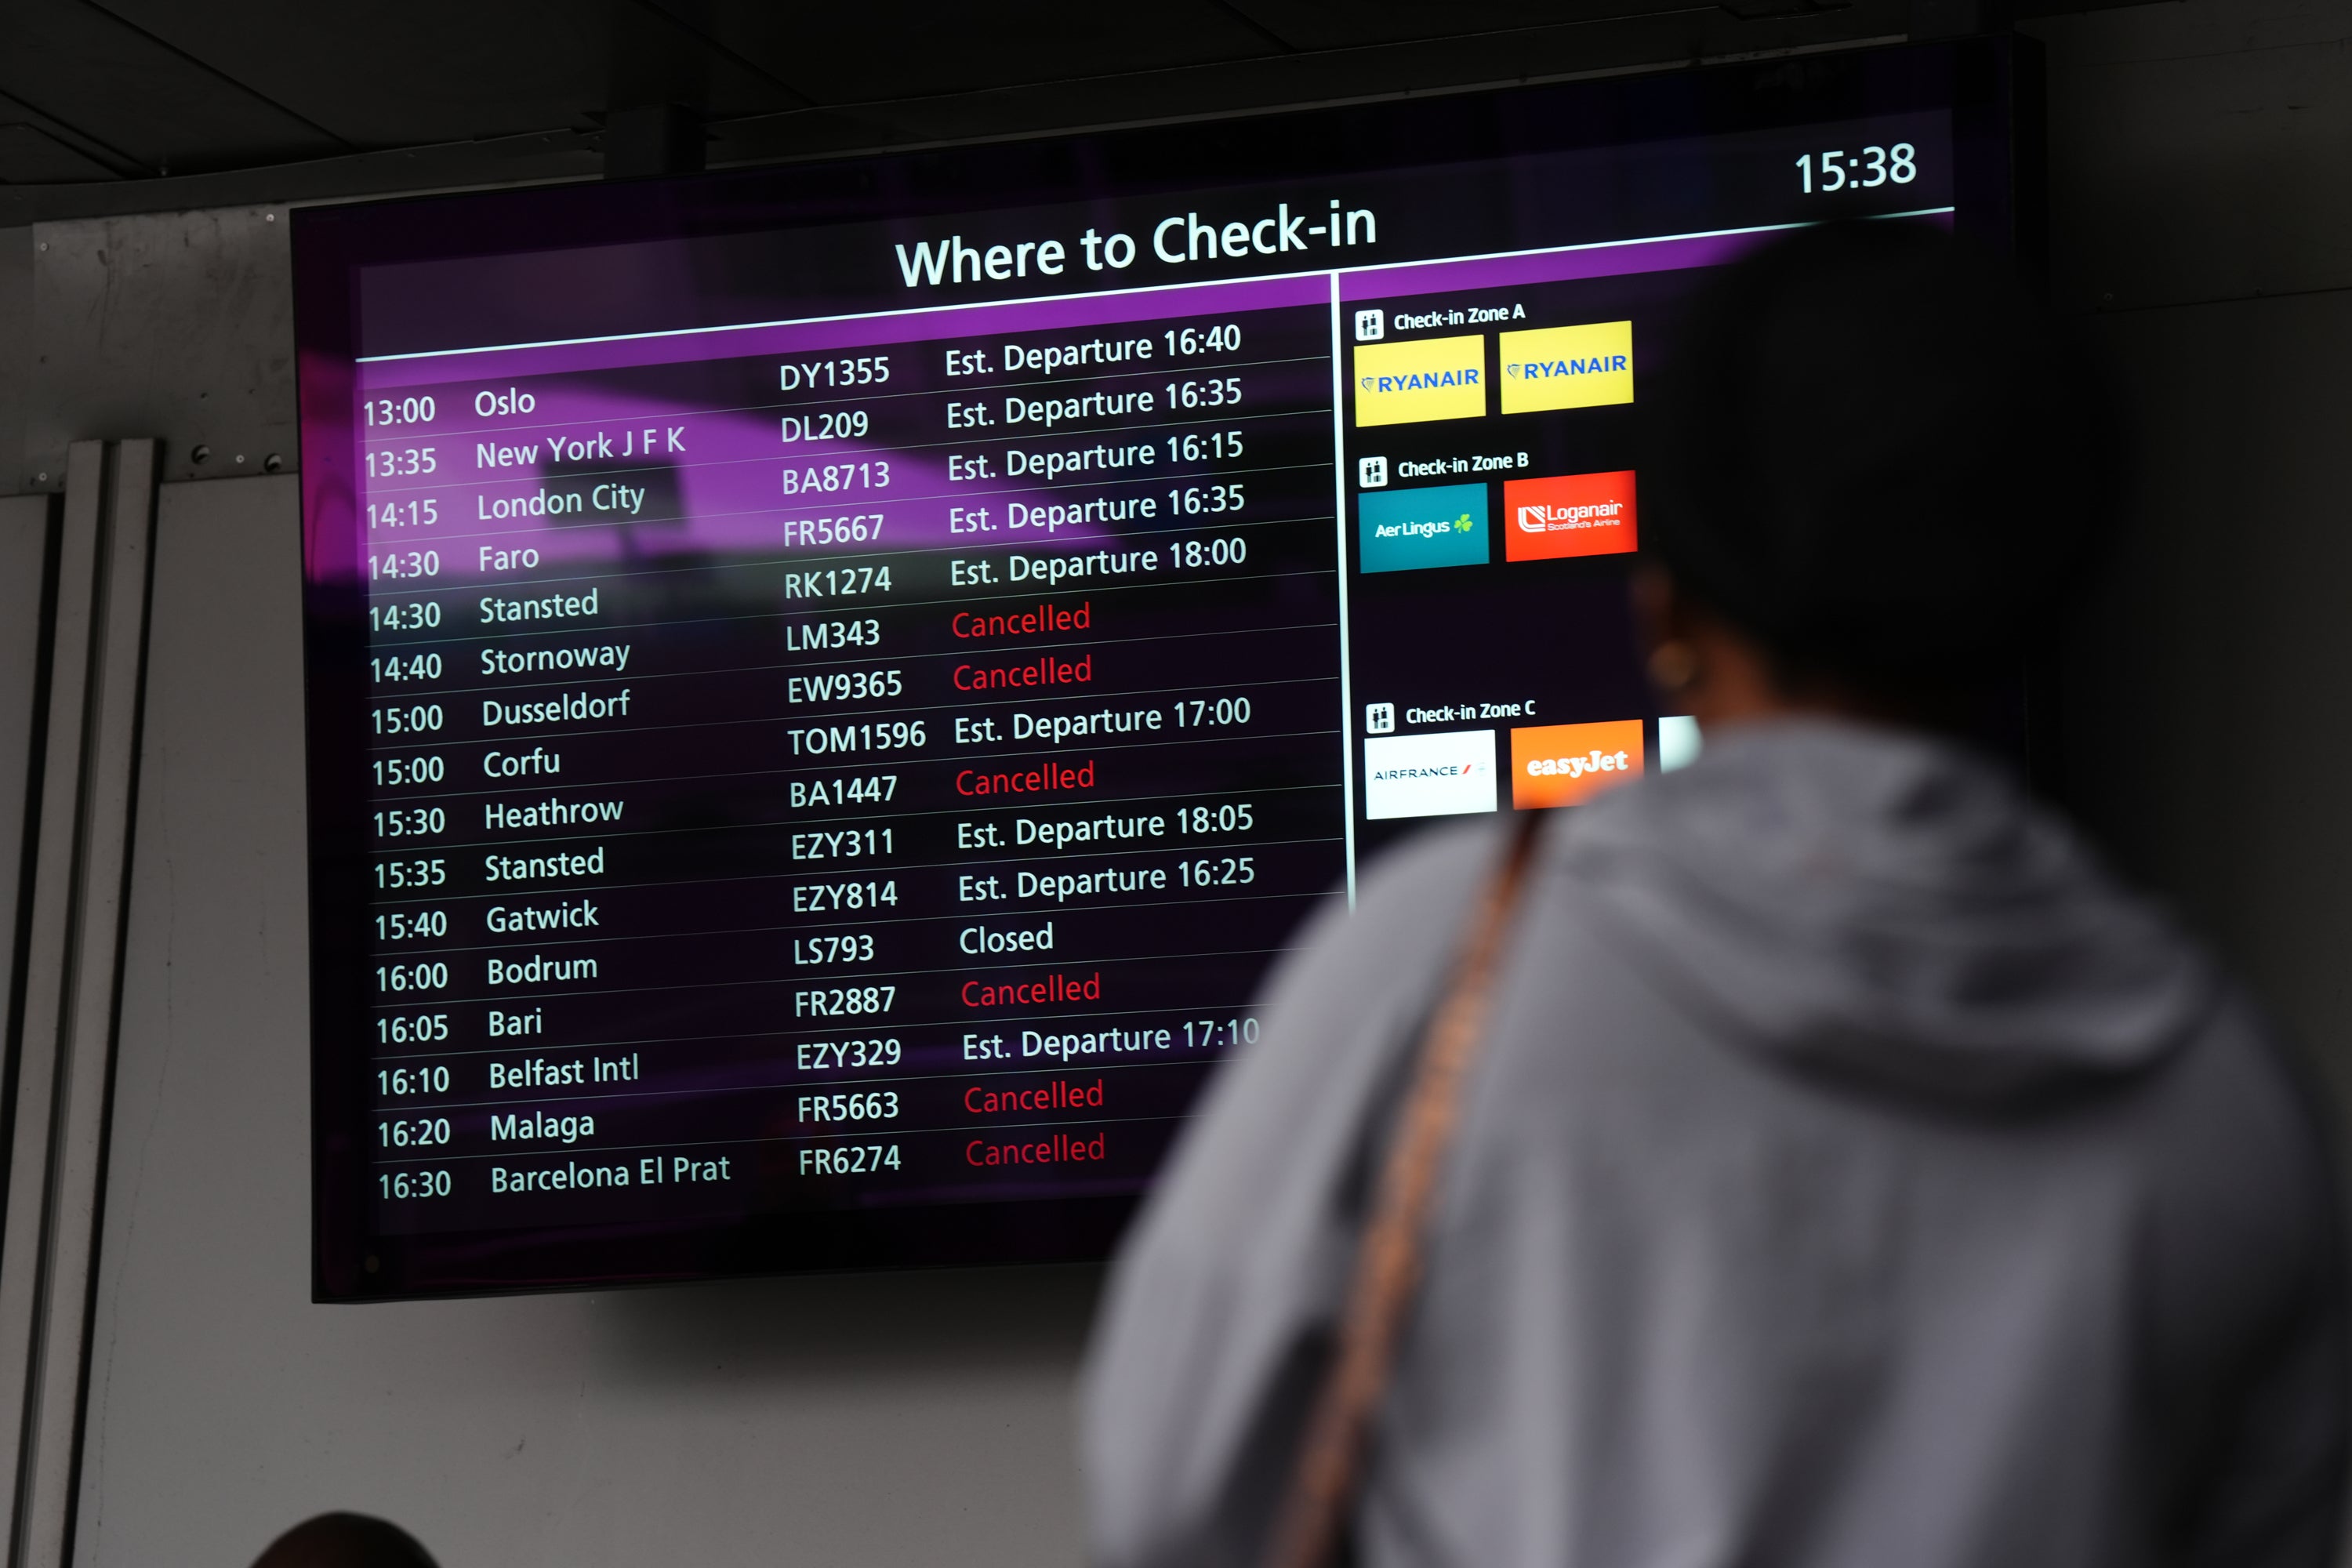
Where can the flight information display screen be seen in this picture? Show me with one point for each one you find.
(829, 687)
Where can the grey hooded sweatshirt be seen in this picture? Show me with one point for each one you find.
(1854, 1176)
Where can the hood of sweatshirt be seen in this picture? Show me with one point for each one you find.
(1885, 907)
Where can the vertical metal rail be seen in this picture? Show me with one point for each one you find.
(48, 1251)
(1347, 643)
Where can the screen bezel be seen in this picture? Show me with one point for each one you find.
(1990, 85)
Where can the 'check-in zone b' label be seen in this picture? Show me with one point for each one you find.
(1437, 525)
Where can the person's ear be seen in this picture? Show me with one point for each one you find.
(1662, 619)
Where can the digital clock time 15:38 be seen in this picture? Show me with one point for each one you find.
(1875, 166)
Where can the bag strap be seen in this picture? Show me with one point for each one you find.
(1381, 1288)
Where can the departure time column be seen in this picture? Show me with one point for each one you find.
(1139, 616)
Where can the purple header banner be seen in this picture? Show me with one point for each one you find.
(853, 331)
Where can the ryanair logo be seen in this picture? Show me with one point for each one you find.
(1434, 378)
(1568, 367)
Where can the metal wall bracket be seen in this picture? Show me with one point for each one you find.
(82, 862)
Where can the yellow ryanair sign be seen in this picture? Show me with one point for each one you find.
(1435, 378)
(1568, 367)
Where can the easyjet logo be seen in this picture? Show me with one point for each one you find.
(1561, 764)
(1595, 760)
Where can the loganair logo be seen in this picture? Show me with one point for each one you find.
(1569, 514)
(1568, 367)
(1542, 519)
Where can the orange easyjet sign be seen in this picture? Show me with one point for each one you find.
(1560, 765)
(1569, 514)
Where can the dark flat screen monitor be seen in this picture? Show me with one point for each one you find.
(829, 685)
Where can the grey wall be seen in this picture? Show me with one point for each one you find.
(884, 1419)
(2200, 185)
(2201, 195)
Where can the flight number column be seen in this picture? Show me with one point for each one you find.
(1113, 614)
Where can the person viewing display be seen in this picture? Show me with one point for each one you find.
(346, 1541)
(1851, 1170)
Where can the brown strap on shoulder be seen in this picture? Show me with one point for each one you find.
(1381, 1289)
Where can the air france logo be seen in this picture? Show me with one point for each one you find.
(1568, 367)
(1443, 775)
(1427, 378)
(1435, 771)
